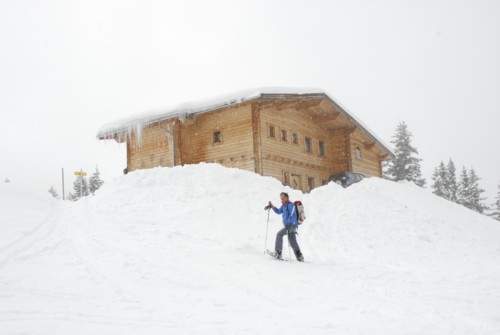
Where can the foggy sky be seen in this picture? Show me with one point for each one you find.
(67, 67)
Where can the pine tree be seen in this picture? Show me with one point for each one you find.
(80, 188)
(406, 164)
(53, 192)
(451, 181)
(496, 206)
(477, 200)
(464, 189)
(470, 194)
(95, 181)
(445, 181)
(439, 181)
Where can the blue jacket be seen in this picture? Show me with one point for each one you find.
(289, 214)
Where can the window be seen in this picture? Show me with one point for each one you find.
(307, 143)
(295, 182)
(295, 138)
(217, 137)
(358, 153)
(284, 135)
(272, 133)
(286, 178)
(310, 183)
(321, 148)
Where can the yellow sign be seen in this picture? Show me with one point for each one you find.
(78, 173)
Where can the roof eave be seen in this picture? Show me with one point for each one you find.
(114, 133)
(361, 126)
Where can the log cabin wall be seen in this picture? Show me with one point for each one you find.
(245, 140)
(340, 151)
(364, 155)
(234, 148)
(154, 149)
(284, 153)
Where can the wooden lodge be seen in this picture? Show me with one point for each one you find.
(300, 138)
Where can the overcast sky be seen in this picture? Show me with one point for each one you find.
(67, 67)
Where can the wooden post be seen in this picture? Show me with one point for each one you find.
(63, 183)
(348, 150)
(81, 182)
(257, 142)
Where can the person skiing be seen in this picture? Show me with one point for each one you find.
(290, 221)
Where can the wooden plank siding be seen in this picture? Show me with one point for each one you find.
(280, 157)
(236, 148)
(369, 164)
(257, 138)
(246, 141)
(153, 150)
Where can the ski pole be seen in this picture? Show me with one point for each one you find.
(267, 228)
(289, 248)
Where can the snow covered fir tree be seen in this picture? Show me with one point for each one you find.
(470, 194)
(406, 164)
(80, 188)
(466, 192)
(495, 210)
(444, 181)
(53, 192)
(95, 181)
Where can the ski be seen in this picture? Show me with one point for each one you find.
(273, 255)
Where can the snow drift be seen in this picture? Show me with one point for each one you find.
(180, 250)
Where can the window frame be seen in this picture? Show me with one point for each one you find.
(321, 149)
(283, 131)
(273, 127)
(306, 147)
(214, 137)
(295, 138)
(357, 150)
(286, 178)
(310, 185)
(298, 185)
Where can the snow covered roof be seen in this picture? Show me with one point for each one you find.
(140, 120)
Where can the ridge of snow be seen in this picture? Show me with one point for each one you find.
(196, 106)
(180, 250)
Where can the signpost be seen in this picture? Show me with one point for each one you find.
(81, 174)
(63, 182)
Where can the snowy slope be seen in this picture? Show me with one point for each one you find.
(180, 251)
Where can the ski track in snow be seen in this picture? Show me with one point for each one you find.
(181, 251)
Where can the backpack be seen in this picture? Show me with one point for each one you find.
(301, 214)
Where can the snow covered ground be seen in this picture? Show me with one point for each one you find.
(180, 251)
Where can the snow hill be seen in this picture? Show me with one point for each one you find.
(180, 251)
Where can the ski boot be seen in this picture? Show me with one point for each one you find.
(277, 254)
(299, 256)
